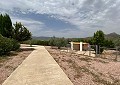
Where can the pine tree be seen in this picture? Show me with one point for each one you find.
(21, 33)
(5, 26)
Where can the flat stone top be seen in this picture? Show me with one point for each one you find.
(39, 68)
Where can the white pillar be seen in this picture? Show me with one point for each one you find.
(80, 46)
(72, 45)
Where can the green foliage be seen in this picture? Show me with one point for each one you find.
(109, 44)
(117, 42)
(59, 42)
(52, 41)
(5, 26)
(18, 32)
(21, 33)
(36, 42)
(15, 45)
(99, 40)
(7, 45)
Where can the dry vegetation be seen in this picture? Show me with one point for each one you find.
(10, 62)
(84, 70)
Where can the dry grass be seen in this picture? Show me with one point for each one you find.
(8, 63)
(84, 70)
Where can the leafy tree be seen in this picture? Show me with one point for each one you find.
(5, 26)
(20, 32)
(1, 24)
(99, 39)
(52, 41)
(117, 42)
(59, 42)
(109, 44)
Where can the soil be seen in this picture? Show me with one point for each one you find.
(85, 70)
(10, 62)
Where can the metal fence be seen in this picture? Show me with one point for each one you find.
(108, 53)
(111, 53)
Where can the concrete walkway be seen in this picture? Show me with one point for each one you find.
(39, 68)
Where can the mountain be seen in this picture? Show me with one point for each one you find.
(112, 36)
(107, 36)
(41, 38)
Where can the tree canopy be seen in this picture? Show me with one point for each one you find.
(99, 40)
(21, 33)
(5, 26)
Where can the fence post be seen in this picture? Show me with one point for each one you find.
(96, 50)
(116, 54)
(89, 50)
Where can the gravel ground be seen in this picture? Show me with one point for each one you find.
(9, 63)
(84, 70)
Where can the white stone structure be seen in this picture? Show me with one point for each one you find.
(79, 46)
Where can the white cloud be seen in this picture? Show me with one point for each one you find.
(85, 14)
(32, 25)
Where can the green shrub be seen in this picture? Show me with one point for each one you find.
(7, 45)
(36, 42)
(15, 45)
(59, 42)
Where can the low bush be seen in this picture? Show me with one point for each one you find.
(7, 45)
(15, 45)
(36, 42)
(59, 42)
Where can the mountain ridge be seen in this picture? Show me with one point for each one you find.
(108, 36)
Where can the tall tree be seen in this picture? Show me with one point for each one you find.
(99, 39)
(21, 33)
(6, 26)
(1, 24)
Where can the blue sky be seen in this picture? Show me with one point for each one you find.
(65, 18)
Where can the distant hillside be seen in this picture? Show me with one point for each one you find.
(41, 38)
(112, 36)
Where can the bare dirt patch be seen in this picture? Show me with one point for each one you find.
(10, 62)
(84, 70)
